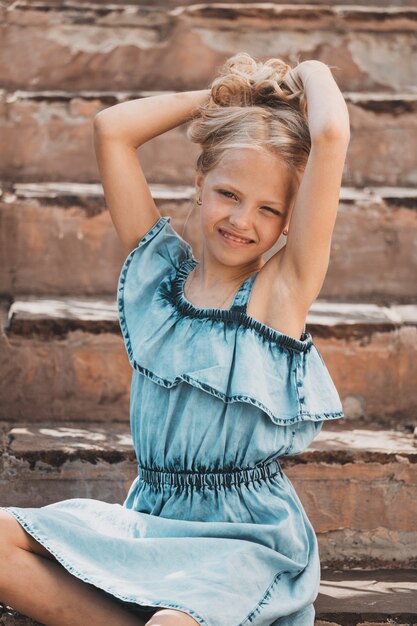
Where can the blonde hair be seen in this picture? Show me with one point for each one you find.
(253, 104)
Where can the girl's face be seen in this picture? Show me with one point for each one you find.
(246, 194)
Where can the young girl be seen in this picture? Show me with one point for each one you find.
(225, 378)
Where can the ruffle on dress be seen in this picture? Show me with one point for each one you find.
(226, 353)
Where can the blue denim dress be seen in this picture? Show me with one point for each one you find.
(211, 525)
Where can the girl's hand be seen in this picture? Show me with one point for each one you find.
(326, 109)
(303, 71)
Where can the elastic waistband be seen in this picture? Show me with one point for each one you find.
(211, 479)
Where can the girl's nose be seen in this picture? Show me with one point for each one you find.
(241, 218)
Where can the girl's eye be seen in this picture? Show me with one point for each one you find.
(227, 192)
(224, 193)
(271, 210)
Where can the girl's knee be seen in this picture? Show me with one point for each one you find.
(10, 532)
(171, 617)
(9, 538)
(13, 535)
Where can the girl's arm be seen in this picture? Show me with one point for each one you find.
(118, 132)
(327, 110)
(305, 257)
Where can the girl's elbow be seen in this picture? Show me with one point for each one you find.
(334, 133)
(99, 122)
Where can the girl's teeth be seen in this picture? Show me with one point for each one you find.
(234, 238)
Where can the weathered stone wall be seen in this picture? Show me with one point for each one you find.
(85, 46)
(64, 372)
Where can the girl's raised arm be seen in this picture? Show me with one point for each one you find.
(305, 258)
(118, 132)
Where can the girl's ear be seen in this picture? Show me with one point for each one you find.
(199, 179)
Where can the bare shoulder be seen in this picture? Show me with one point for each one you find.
(277, 300)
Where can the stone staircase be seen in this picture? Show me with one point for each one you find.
(64, 373)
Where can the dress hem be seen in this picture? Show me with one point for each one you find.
(265, 600)
(31, 529)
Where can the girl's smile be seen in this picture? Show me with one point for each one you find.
(234, 240)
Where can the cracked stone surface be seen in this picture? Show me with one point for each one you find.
(139, 40)
(375, 227)
(380, 152)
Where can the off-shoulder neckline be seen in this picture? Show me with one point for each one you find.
(231, 315)
(242, 293)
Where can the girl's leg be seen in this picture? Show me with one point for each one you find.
(36, 585)
(171, 617)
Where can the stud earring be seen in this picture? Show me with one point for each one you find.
(285, 232)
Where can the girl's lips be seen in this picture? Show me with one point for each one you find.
(233, 242)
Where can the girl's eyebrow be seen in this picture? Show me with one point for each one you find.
(227, 184)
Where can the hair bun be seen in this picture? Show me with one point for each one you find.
(243, 81)
(257, 106)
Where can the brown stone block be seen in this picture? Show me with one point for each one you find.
(78, 376)
(43, 465)
(357, 547)
(374, 597)
(52, 250)
(129, 49)
(104, 481)
(64, 243)
(357, 488)
(362, 496)
(380, 140)
(375, 374)
(56, 235)
(53, 133)
(373, 253)
(174, 3)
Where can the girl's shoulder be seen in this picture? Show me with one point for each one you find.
(161, 243)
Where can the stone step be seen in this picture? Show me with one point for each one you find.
(364, 346)
(358, 487)
(367, 598)
(65, 225)
(84, 46)
(174, 3)
(363, 597)
(34, 123)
